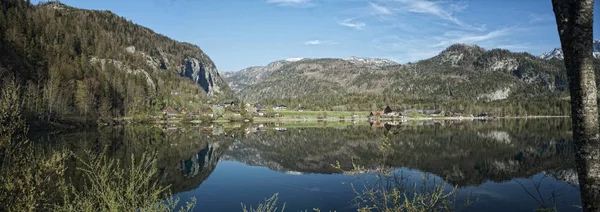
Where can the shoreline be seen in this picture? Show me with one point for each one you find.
(336, 119)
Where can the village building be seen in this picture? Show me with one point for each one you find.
(207, 111)
(182, 110)
(226, 103)
(280, 107)
(376, 113)
(169, 112)
(389, 111)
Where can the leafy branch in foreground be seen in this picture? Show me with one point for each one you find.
(111, 187)
(270, 205)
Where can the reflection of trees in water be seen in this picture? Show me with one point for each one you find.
(465, 153)
(185, 158)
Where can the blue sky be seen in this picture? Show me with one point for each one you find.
(241, 33)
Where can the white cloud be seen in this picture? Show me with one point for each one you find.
(355, 25)
(319, 42)
(380, 10)
(452, 37)
(297, 3)
(537, 18)
(411, 48)
(445, 12)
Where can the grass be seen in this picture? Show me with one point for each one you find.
(315, 114)
(314, 124)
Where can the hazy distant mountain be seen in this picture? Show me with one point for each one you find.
(557, 52)
(378, 62)
(255, 74)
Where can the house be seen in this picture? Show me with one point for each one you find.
(432, 112)
(376, 113)
(182, 110)
(195, 115)
(226, 103)
(388, 111)
(165, 109)
(207, 111)
(483, 115)
(280, 107)
(171, 114)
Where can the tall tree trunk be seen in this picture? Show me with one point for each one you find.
(575, 27)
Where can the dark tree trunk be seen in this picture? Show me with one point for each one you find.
(575, 23)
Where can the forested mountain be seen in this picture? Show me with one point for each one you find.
(76, 62)
(459, 74)
(255, 74)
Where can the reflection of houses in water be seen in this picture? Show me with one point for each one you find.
(377, 124)
(279, 128)
(170, 129)
(255, 129)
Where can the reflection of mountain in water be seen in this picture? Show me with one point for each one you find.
(464, 153)
(186, 158)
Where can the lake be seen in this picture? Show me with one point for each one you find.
(501, 164)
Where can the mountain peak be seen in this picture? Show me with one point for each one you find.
(558, 53)
(461, 47)
(379, 62)
(294, 59)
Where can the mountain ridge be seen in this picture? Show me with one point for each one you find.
(254, 74)
(93, 63)
(464, 73)
(558, 54)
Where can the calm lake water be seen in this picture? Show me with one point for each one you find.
(500, 163)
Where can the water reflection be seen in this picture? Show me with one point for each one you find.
(484, 157)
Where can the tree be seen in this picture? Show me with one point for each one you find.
(574, 19)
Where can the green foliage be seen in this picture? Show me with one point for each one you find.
(111, 187)
(390, 191)
(34, 179)
(12, 124)
(270, 205)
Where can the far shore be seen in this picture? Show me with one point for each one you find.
(345, 119)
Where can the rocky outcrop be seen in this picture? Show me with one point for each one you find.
(205, 75)
(127, 69)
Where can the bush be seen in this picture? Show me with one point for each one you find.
(391, 191)
(111, 187)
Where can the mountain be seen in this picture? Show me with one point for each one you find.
(464, 154)
(558, 54)
(86, 63)
(255, 74)
(378, 62)
(252, 75)
(459, 73)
